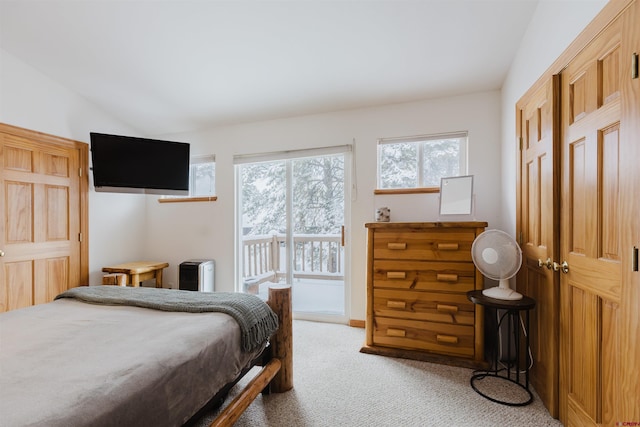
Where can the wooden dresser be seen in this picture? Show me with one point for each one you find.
(418, 275)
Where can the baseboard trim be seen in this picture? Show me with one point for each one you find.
(355, 323)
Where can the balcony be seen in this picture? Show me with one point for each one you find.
(318, 269)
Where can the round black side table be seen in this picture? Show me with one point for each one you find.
(512, 370)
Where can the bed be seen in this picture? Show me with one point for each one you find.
(158, 358)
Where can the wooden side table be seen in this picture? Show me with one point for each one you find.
(512, 370)
(138, 271)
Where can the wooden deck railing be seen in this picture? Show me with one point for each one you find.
(315, 256)
(260, 258)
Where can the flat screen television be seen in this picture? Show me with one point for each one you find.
(125, 164)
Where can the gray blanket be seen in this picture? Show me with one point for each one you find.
(256, 320)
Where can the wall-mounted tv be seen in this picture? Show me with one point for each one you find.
(125, 164)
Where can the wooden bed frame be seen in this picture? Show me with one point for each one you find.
(277, 372)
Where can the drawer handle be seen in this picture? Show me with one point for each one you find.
(391, 332)
(396, 275)
(447, 339)
(396, 304)
(448, 308)
(441, 277)
(447, 246)
(396, 246)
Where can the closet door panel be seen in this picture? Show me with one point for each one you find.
(538, 225)
(610, 361)
(590, 220)
(608, 200)
(584, 381)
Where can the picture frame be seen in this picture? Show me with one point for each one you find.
(456, 195)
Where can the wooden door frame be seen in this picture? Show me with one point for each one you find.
(83, 154)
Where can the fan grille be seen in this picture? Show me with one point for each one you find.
(496, 254)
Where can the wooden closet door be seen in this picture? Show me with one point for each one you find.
(596, 171)
(629, 381)
(538, 118)
(42, 205)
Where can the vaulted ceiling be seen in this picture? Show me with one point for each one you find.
(172, 66)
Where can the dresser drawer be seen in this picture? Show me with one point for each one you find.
(443, 245)
(441, 338)
(424, 275)
(430, 306)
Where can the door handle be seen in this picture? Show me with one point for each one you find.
(1, 252)
(548, 263)
(564, 267)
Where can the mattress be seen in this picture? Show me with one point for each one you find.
(69, 363)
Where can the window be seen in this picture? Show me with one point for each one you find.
(419, 162)
(202, 181)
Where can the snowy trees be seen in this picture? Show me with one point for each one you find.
(420, 163)
(317, 195)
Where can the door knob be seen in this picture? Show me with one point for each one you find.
(1, 253)
(546, 263)
(564, 267)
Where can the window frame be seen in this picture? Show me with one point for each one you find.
(462, 136)
(194, 160)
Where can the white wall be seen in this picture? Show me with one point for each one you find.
(553, 27)
(180, 231)
(31, 100)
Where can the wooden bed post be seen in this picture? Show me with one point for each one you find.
(282, 340)
(278, 372)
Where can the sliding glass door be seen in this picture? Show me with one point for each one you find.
(291, 216)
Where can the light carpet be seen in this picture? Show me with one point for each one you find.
(336, 385)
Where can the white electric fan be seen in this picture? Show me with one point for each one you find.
(497, 255)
